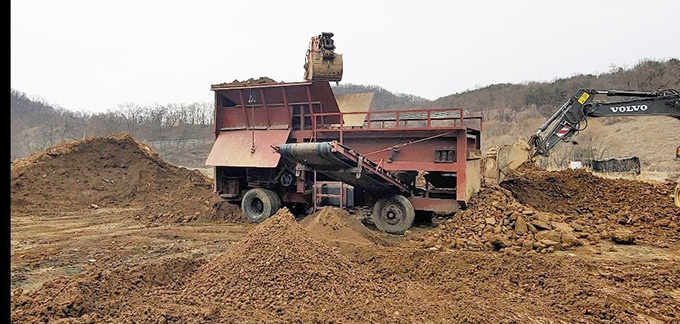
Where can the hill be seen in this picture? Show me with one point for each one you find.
(182, 133)
(382, 98)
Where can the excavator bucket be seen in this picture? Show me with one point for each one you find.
(500, 160)
(324, 68)
(322, 63)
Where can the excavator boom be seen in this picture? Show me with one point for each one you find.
(568, 119)
(571, 118)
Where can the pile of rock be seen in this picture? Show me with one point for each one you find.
(495, 220)
(618, 209)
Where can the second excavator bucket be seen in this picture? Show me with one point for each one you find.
(321, 61)
(500, 160)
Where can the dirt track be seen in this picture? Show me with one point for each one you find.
(88, 248)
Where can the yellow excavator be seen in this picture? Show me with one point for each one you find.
(321, 61)
(571, 118)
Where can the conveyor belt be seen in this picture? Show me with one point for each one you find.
(343, 164)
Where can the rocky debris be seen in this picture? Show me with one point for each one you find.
(111, 172)
(595, 206)
(245, 83)
(495, 220)
(547, 211)
(623, 236)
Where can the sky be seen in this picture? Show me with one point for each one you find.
(93, 56)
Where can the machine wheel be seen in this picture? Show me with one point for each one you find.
(276, 200)
(258, 204)
(393, 215)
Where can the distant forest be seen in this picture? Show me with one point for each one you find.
(37, 125)
(505, 102)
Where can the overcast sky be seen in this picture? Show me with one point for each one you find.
(94, 55)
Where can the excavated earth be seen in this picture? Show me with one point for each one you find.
(103, 230)
(114, 171)
(249, 82)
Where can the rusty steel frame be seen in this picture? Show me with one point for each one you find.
(316, 103)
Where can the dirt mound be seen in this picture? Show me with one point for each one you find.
(338, 225)
(114, 171)
(244, 83)
(100, 294)
(601, 206)
(277, 271)
(225, 211)
(495, 220)
(547, 211)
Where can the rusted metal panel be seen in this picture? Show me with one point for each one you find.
(440, 206)
(271, 105)
(461, 151)
(247, 148)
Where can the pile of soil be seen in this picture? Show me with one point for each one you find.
(101, 294)
(112, 172)
(621, 209)
(226, 211)
(336, 224)
(553, 210)
(245, 83)
(495, 220)
(279, 272)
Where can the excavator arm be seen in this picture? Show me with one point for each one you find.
(570, 119)
(572, 116)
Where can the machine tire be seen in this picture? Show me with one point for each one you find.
(258, 204)
(276, 200)
(393, 215)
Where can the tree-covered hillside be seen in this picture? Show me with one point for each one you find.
(509, 110)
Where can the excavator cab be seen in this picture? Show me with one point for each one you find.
(322, 63)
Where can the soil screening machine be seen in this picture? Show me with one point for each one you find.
(297, 144)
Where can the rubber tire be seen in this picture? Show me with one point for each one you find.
(276, 200)
(251, 198)
(399, 205)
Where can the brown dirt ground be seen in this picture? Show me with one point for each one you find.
(162, 252)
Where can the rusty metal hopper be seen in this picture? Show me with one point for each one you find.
(354, 107)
